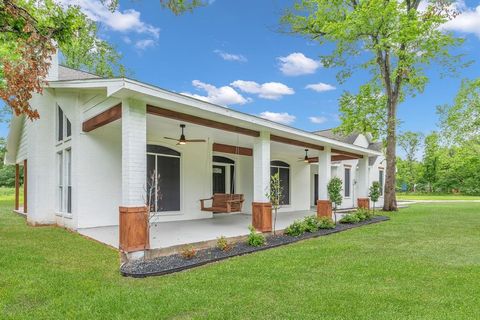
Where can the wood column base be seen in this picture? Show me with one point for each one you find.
(134, 229)
(324, 208)
(363, 203)
(262, 216)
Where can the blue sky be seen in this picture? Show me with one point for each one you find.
(231, 53)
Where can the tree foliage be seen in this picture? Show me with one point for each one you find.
(374, 192)
(461, 121)
(410, 143)
(31, 31)
(334, 190)
(394, 41)
(275, 194)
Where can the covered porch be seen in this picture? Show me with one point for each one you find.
(232, 153)
(177, 233)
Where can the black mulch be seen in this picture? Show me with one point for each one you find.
(175, 263)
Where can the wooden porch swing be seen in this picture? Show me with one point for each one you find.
(225, 202)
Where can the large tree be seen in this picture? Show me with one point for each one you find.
(32, 30)
(394, 40)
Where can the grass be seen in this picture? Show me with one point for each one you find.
(434, 196)
(423, 264)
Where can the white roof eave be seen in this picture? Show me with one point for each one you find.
(118, 86)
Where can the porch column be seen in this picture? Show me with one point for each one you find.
(133, 220)
(261, 207)
(134, 159)
(17, 186)
(261, 167)
(324, 207)
(25, 186)
(362, 182)
(324, 172)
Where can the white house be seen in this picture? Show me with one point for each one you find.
(98, 139)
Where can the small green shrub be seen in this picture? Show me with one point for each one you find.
(369, 214)
(223, 244)
(360, 215)
(297, 228)
(310, 223)
(188, 252)
(325, 223)
(350, 218)
(255, 239)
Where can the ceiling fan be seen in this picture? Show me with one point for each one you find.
(182, 139)
(306, 158)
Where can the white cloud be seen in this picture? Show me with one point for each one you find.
(320, 87)
(468, 21)
(318, 120)
(144, 44)
(231, 56)
(224, 96)
(268, 90)
(297, 63)
(280, 117)
(123, 21)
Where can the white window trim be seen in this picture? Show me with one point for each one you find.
(62, 204)
(345, 168)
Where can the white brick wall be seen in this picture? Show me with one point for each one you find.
(134, 140)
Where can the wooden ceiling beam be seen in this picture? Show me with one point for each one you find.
(157, 111)
(294, 142)
(346, 153)
(103, 118)
(225, 148)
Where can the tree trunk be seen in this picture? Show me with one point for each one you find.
(390, 199)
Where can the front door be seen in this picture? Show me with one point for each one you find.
(315, 189)
(219, 179)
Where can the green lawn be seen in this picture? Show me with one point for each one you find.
(434, 196)
(423, 264)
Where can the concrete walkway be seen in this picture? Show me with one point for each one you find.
(167, 234)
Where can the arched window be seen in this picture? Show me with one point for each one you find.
(283, 169)
(163, 178)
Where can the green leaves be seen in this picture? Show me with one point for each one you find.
(461, 121)
(334, 190)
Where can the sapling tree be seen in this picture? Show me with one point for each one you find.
(374, 193)
(275, 195)
(153, 195)
(334, 190)
(394, 42)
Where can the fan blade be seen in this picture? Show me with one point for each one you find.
(195, 140)
(170, 138)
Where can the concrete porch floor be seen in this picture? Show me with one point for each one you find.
(167, 234)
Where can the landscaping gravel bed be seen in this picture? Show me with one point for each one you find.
(176, 263)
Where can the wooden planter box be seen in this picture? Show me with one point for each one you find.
(363, 203)
(134, 229)
(262, 216)
(324, 208)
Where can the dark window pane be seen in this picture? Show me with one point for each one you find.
(222, 160)
(60, 124)
(232, 179)
(279, 163)
(151, 148)
(168, 169)
(69, 199)
(347, 183)
(151, 187)
(285, 183)
(69, 128)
